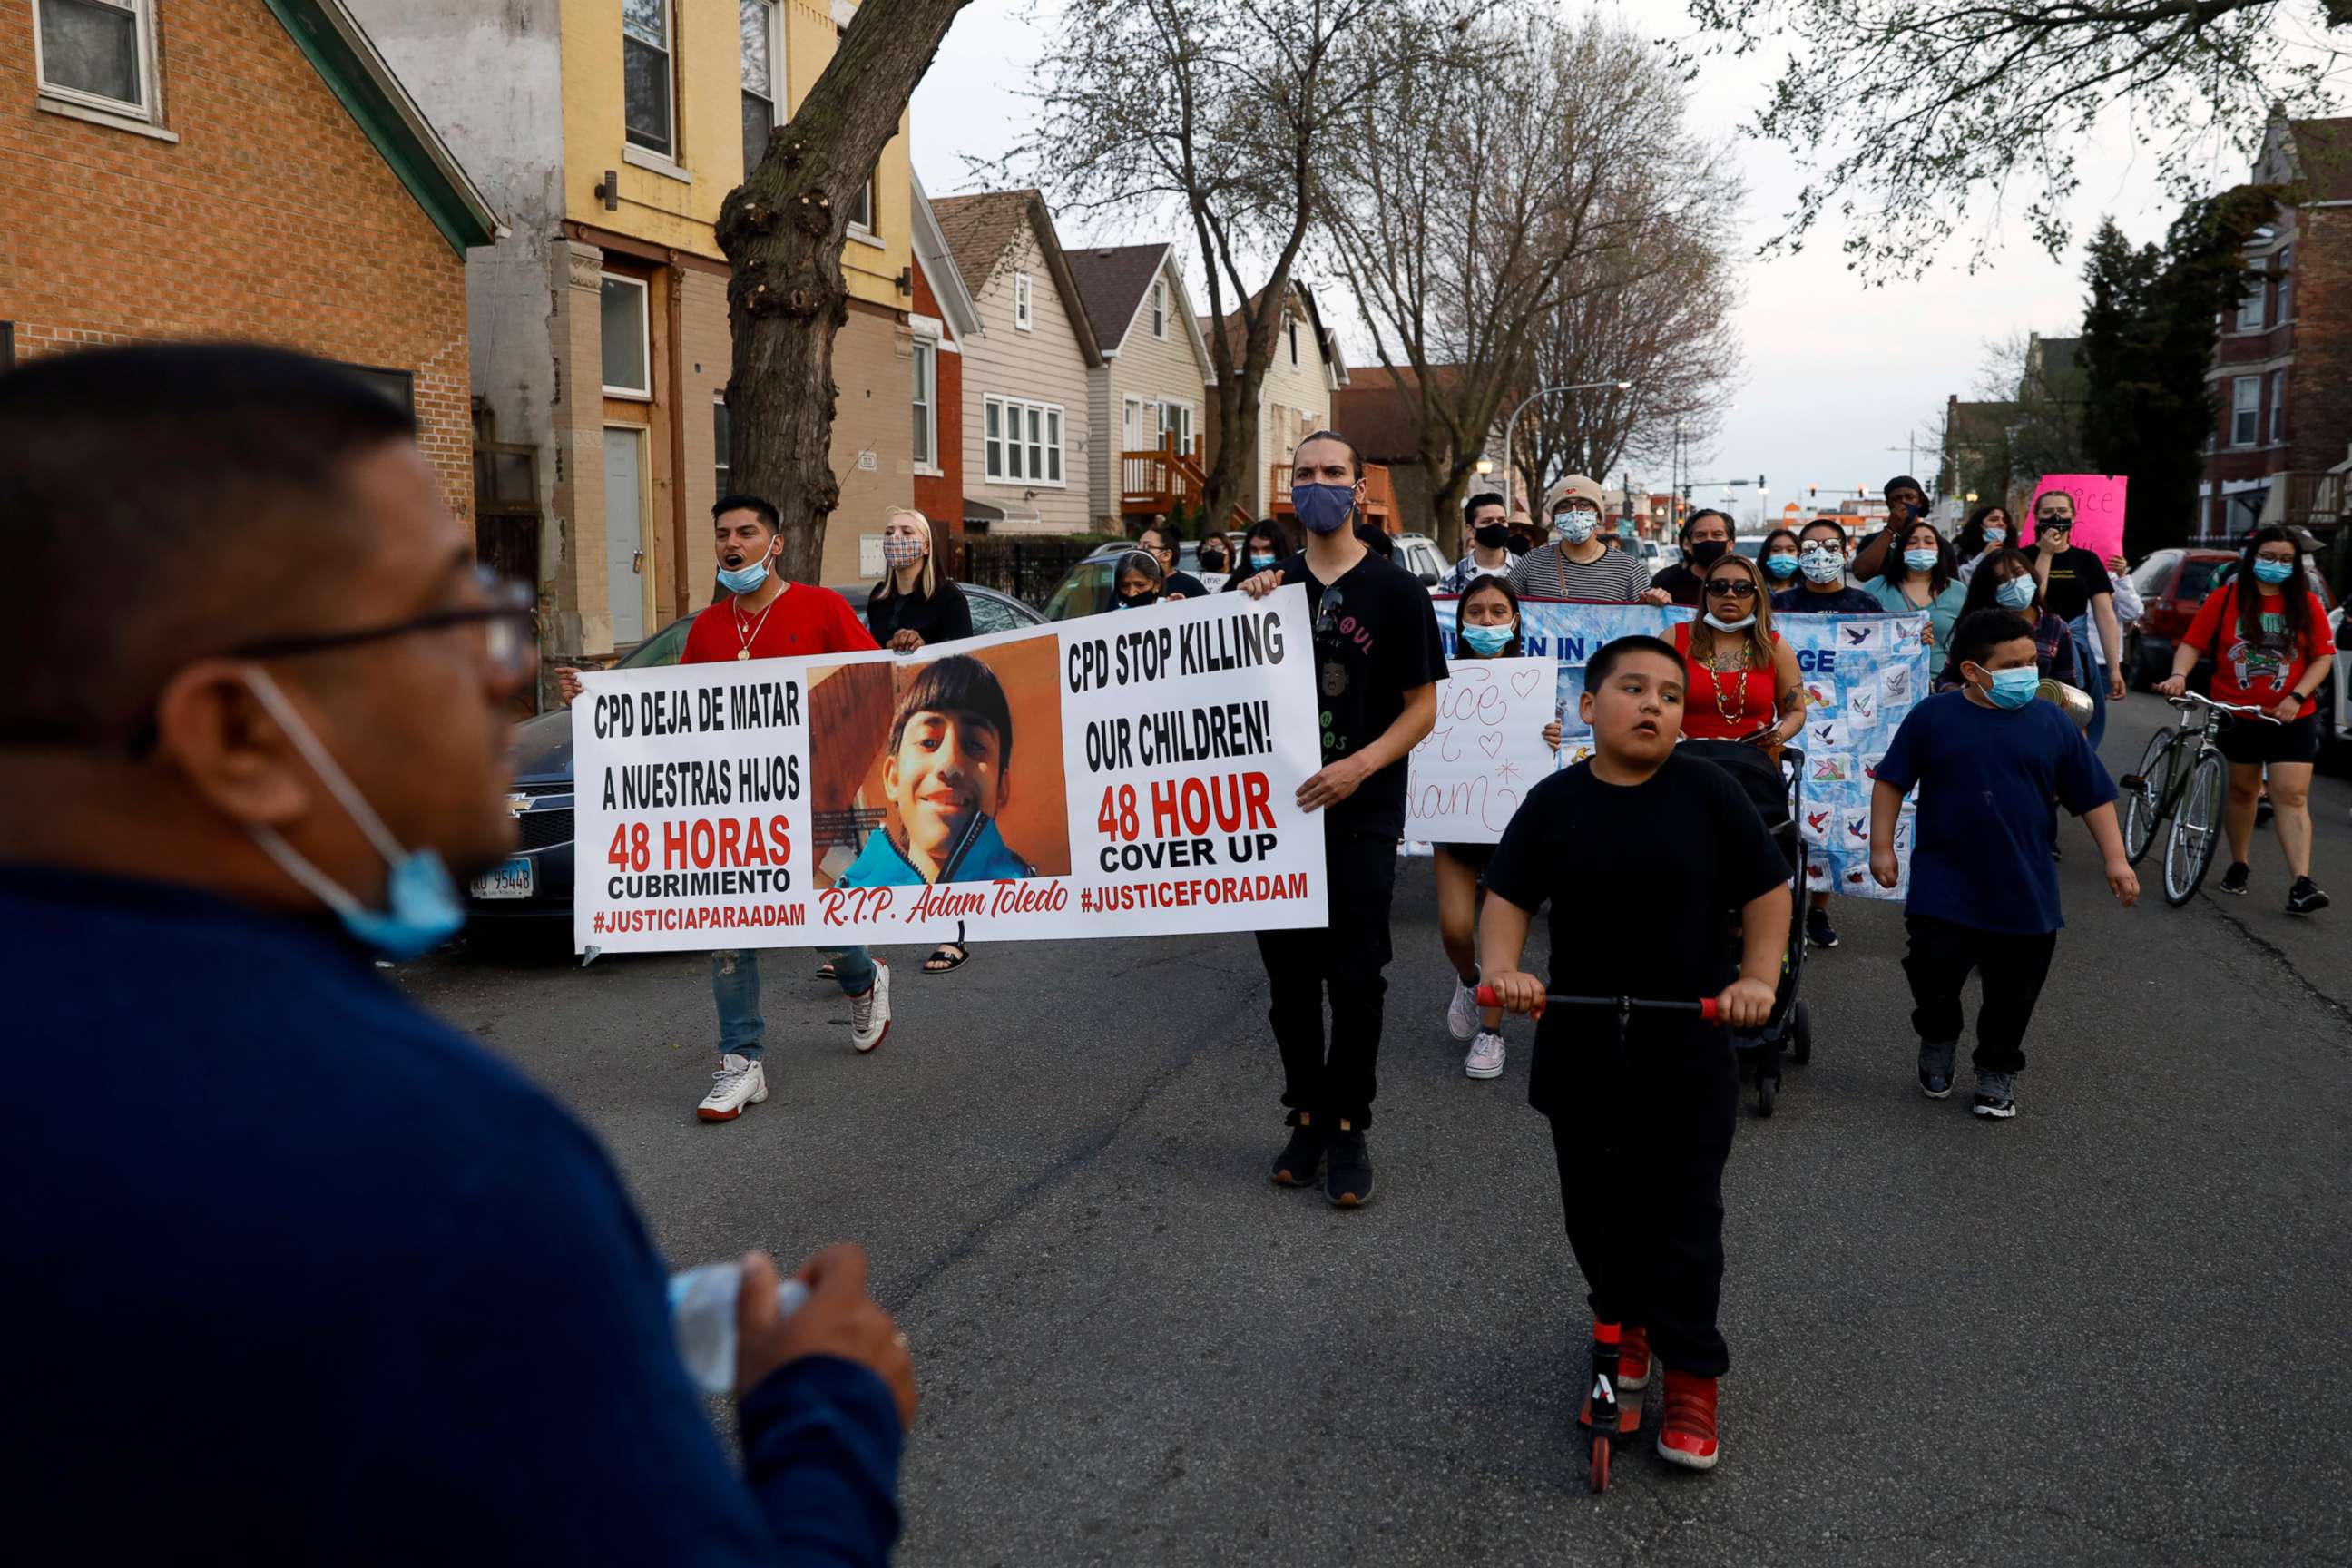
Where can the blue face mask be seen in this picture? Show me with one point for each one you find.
(1260, 561)
(744, 579)
(1781, 566)
(1487, 641)
(1324, 508)
(423, 908)
(2012, 687)
(2016, 594)
(1995, 538)
(1919, 560)
(2273, 572)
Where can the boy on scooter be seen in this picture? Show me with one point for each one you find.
(1638, 839)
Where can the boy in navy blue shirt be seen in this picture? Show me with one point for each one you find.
(1987, 759)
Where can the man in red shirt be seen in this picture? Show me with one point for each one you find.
(762, 615)
(2267, 633)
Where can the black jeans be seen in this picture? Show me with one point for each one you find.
(1641, 1182)
(2013, 966)
(1346, 957)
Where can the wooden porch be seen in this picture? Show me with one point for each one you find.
(1155, 482)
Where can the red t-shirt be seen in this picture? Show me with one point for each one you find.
(803, 619)
(2257, 674)
(1734, 709)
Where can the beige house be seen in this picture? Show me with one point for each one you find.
(1294, 401)
(1028, 434)
(1155, 369)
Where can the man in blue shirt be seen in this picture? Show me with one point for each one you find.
(297, 1272)
(1987, 760)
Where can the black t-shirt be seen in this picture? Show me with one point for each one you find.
(1375, 640)
(1682, 584)
(1184, 583)
(2076, 578)
(945, 616)
(1641, 880)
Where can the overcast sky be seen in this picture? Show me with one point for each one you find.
(1836, 373)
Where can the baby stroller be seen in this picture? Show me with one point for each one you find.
(1778, 794)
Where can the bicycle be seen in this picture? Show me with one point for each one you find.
(2187, 781)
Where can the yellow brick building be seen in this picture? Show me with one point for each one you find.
(609, 131)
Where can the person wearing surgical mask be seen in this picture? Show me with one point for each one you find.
(1987, 529)
(2005, 581)
(268, 1201)
(1919, 578)
(1578, 563)
(916, 603)
(1705, 539)
(1267, 545)
(1489, 537)
(1487, 626)
(1744, 682)
(1780, 558)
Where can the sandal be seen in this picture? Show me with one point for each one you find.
(947, 958)
(826, 971)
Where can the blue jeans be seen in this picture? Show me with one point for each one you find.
(2095, 677)
(735, 986)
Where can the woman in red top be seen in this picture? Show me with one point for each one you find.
(2267, 633)
(1744, 684)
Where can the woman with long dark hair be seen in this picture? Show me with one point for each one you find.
(2005, 581)
(1267, 545)
(1486, 626)
(1780, 557)
(1744, 684)
(1920, 575)
(1987, 529)
(2267, 632)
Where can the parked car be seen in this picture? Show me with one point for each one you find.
(1087, 588)
(536, 883)
(2173, 583)
(1418, 555)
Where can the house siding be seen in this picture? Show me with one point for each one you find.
(1153, 370)
(1044, 365)
(1292, 402)
(111, 237)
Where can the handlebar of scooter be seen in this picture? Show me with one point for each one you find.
(1705, 1007)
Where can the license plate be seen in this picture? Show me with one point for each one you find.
(512, 881)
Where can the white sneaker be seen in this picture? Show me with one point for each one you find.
(740, 1082)
(1485, 1058)
(1462, 1013)
(870, 1015)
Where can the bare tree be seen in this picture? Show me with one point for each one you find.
(1656, 311)
(1463, 216)
(1914, 111)
(1222, 111)
(782, 231)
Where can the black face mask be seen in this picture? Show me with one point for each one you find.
(1212, 562)
(1707, 551)
(1493, 536)
(1138, 601)
(1519, 544)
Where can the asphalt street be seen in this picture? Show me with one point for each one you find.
(2111, 1330)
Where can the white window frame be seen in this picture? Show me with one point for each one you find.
(1025, 442)
(148, 111)
(2278, 406)
(1293, 324)
(775, 93)
(2285, 268)
(1159, 308)
(668, 47)
(645, 337)
(1170, 415)
(722, 468)
(2245, 410)
(927, 401)
(1024, 302)
(2251, 308)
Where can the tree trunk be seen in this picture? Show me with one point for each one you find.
(782, 231)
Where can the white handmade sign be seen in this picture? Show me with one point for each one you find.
(1468, 774)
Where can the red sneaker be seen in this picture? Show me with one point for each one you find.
(1686, 1430)
(1634, 1360)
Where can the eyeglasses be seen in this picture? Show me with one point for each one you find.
(508, 628)
(1732, 588)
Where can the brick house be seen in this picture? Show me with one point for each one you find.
(2282, 372)
(609, 135)
(944, 319)
(243, 169)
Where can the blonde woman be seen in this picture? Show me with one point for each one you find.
(916, 603)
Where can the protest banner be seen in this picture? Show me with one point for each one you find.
(1108, 776)
(1466, 777)
(2098, 510)
(1862, 673)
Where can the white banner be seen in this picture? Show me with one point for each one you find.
(1487, 748)
(1111, 777)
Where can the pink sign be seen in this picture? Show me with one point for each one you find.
(2098, 510)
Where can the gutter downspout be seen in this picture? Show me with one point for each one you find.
(682, 571)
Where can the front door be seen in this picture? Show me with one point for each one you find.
(1130, 424)
(624, 532)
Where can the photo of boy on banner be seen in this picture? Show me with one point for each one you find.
(918, 779)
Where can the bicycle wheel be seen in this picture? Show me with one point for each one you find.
(2143, 802)
(2196, 827)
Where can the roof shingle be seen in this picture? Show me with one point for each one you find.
(1112, 282)
(980, 227)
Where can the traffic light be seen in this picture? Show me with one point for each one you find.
(1812, 492)
(1759, 482)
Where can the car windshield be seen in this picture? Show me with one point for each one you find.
(2196, 577)
(1086, 591)
(665, 648)
(2153, 571)
(1751, 547)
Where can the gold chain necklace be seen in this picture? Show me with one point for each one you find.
(1733, 715)
(747, 638)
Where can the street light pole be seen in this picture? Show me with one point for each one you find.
(1511, 425)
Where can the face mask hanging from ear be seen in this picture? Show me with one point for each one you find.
(424, 910)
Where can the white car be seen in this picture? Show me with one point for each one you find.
(1418, 555)
(2336, 697)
